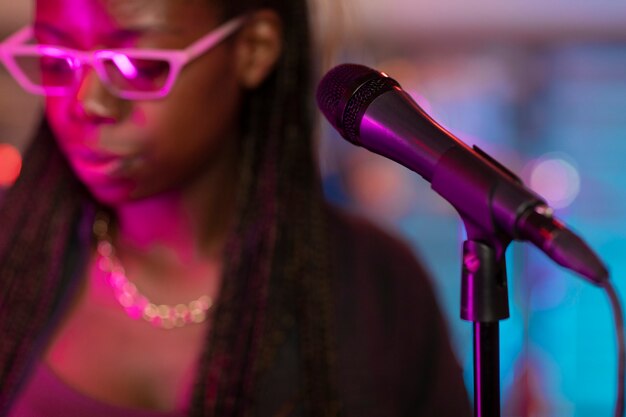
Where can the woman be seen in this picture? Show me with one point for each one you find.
(216, 280)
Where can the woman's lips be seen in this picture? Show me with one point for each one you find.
(96, 158)
(98, 165)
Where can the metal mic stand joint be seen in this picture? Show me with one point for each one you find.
(484, 301)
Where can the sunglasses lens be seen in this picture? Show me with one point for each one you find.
(46, 70)
(136, 75)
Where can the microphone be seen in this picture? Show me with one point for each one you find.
(371, 110)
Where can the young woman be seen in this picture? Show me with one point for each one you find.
(167, 250)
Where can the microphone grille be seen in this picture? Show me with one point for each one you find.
(345, 92)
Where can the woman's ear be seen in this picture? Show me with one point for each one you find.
(258, 47)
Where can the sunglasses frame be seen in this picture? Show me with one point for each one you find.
(15, 46)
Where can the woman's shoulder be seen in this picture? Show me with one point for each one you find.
(377, 274)
(364, 246)
(353, 225)
(392, 337)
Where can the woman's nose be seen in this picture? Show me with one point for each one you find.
(94, 103)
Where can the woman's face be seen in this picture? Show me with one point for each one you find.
(124, 150)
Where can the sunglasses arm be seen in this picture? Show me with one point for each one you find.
(215, 37)
(19, 37)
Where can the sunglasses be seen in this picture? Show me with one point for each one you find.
(132, 74)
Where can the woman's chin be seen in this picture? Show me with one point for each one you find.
(111, 192)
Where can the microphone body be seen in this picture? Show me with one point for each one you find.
(485, 193)
(371, 110)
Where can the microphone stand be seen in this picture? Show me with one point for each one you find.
(484, 301)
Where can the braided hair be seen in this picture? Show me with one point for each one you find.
(276, 280)
(279, 254)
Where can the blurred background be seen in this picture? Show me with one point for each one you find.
(541, 86)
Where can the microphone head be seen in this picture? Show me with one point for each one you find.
(346, 91)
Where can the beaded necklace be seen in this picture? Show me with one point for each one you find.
(134, 302)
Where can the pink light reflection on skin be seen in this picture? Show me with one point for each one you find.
(141, 222)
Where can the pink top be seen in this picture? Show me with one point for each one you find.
(45, 395)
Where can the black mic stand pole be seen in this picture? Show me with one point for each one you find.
(484, 301)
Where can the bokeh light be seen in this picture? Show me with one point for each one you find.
(10, 164)
(379, 186)
(554, 177)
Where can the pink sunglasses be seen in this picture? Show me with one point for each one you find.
(132, 74)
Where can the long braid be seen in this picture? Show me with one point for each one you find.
(40, 218)
(304, 252)
(305, 217)
(285, 223)
(240, 311)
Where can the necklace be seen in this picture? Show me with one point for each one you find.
(126, 293)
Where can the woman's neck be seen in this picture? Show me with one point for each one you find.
(189, 223)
